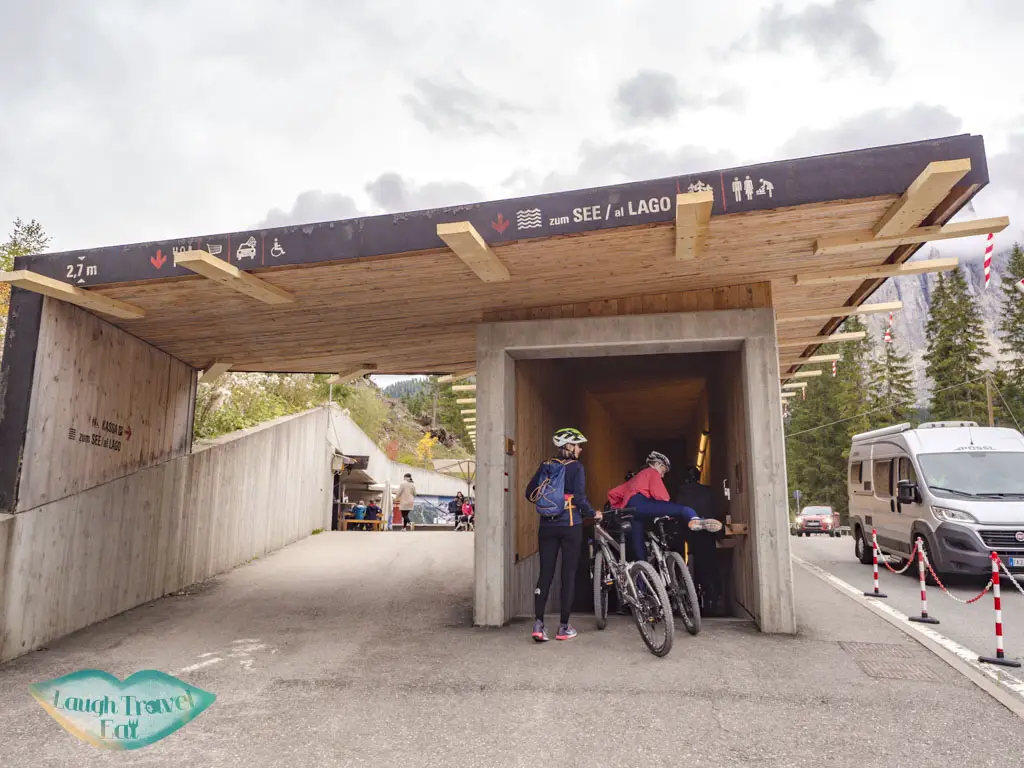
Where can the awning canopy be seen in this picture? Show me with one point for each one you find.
(403, 293)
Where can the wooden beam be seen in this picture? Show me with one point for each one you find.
(465, 401)
(814, 314)
(347, 376)
(865, 240)
(464, 388)
(215, 370)
(795, 385)
(465, 241)
(693, 218)
(811, 359)
(922, 196)
(787, 394)
(455, 377)
(205, 264)
(469, 420)
(55, 289)
(801, 375)
(869, 273)
(468, 411)
(809, 341)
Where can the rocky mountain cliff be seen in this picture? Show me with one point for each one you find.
(915, 292)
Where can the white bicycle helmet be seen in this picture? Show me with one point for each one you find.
(568, 436)
(656, 457)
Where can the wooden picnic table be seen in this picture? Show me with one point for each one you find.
(345, 523)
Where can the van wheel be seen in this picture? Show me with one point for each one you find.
(861, 548)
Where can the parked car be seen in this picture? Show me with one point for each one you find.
(958, 486)
(818, 519)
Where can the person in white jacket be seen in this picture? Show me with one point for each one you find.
(406, 499)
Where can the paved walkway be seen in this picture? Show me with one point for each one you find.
(970, 625)
(357, 649)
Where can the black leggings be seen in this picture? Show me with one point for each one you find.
(405, 517)
(551, 539)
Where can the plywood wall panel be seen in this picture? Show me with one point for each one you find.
(609, 453)
(131, 401)
(730, 462)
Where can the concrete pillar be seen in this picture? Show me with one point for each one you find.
(773, 569)
(751, 330)
(495, 413)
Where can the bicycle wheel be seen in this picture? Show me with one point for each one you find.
(653, 615)
(683, 594)
(601, 577)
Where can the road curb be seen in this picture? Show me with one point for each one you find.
(1006, 690)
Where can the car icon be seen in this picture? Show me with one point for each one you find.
(247, 250)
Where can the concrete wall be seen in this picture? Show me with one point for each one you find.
(71, 562)
(345, 436)
(749, 332)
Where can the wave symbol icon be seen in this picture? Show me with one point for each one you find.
(529, 219)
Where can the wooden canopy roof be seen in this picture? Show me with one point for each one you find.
(403, 293)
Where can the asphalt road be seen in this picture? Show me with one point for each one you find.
(357, 649)
(973, 626)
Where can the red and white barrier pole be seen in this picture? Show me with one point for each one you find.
(874, 562)
(1000, 657)
(924, 618)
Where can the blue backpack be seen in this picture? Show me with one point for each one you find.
(550, 493)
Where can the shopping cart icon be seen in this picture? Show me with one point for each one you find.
(215, 250)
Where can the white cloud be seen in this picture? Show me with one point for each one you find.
(128, 121)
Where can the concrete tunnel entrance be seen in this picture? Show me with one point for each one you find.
(673, 382)
(688, 406)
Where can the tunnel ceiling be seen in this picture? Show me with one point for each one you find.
(386, 291)
(659, 408)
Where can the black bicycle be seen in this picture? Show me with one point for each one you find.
(675, 574)
(636, 584)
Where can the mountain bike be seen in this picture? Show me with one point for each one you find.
(675, 574)
(637, 585)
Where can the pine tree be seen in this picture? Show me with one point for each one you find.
(1012, 329)
(814, 460)
(955, 352)
(854, 374)
(820, 426)
(892, 385)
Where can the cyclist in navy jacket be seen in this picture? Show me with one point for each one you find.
(561, 532)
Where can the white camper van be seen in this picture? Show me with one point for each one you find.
(957, 485)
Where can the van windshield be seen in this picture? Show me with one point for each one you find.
(982, 473)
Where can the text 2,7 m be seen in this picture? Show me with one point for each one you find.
(77, 270)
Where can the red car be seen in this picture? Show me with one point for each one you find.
(817, 520)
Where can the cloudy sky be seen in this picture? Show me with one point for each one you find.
(126, 121)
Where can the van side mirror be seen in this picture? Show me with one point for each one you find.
(906, 492)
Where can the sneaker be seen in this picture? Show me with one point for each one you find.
(538, 632)
(709, 524)
(565, 632)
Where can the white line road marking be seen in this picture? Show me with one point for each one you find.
(1011, 688)
(204, 655)
(247, 664)
(200, 665)
(246, 650)
(246, 640)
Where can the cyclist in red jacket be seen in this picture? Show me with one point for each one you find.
(645, 492)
